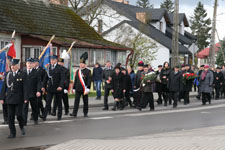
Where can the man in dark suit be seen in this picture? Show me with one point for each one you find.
(14, 95)
(65, 89)
(33, 87)
(41, 73)
(82, 85)
(54, 83)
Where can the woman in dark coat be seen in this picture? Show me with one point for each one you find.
(218, 81)
(206, 84)
(164, 80)
(117, 86)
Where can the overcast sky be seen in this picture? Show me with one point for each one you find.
(188, 6)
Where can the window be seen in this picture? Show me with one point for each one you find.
(108, 56)
(26, 53)
(54, 50)
(97, 55)
(121, 57)
(4, 42)
(29, 51)
(36, 52)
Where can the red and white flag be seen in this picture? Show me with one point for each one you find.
(11, 51)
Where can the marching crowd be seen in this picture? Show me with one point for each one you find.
(22, 88)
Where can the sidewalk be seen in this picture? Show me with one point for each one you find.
(197, 139)
(99, 103)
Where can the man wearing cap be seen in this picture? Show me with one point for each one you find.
(41, 73)
(65, 89)
(137, 83)
(82, 84)
(188, 85)
(14, 94)
(54, 83)
(33, 87)
(218, 81)
(175, 84)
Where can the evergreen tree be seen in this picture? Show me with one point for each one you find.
(168, 5)
(200, 26)
(220, 54)
(144, 4)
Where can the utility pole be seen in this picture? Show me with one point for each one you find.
(212, 42)
(175, 48)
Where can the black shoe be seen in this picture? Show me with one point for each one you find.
(40, 116)
(11, 136)
(114, 109)
(152, 109)
(53, 114)
(59, 118)
(139, 108)
(203, 103)
(67, 113)
(35, 122)
(85, 115)
(25, 124)
(44, 119)
(73, 115)
(198, 97)
(5, 122)
(23, 132)
(165, 104)
(105, 108)
(174, 106)
(31, 118)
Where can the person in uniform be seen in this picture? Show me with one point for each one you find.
(81, 87)
(175, 84)
(54, 83)
(33, 87)
(137, 83)
(65, 89)
(218, 81)
(107, 78)
(41, 73)
(14, 94)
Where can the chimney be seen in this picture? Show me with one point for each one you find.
(100, 22)
(59, 2)
(122, 1)
(141, 16)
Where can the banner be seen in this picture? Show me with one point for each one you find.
(44, 60)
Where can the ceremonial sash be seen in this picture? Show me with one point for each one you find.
(86, 90)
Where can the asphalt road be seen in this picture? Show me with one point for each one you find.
(115, 125)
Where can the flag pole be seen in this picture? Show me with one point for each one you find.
(42, 53)
(12, 37)
(71, 46)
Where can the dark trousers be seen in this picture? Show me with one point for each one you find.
(40, 105)
(137, 98)
(159, 97)
(15, 110)
(165, 97)
(186, 97)
(34, 106)
(147, 97)
(5, 112)
(58, 99)
(106, 95)
(174, 96)
(217, 93)
(206, 97)
(127, 98)
(65, 102)
(77, 103)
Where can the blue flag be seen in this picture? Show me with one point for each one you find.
(2, 68)
(45, 59)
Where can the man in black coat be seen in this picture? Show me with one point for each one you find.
(54, 81)
(218, 81)
(159, 85)
(198, 78)
(33, 87)
(65, 89)
(175, 84)
(82, 86)
(187, 87)
(41, 73)
(137, 83)
(107, 78)
(14, 94)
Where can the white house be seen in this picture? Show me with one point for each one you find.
(155, 24)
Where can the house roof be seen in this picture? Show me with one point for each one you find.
(182, 17)
(183, 39)
(190, 36)
(130, 11)
(37, 18)
(205, 52)
(153, 33)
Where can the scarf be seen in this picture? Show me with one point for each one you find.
(204, 75)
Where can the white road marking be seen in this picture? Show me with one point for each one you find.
(99, 118)
(175, 111)
(205, 112)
